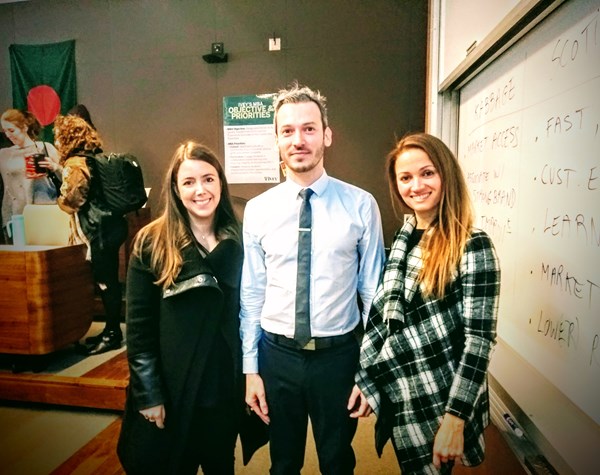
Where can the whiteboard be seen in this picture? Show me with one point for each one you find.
(481, 17)
(529, 144)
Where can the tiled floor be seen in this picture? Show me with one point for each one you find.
(34, 438)
(37, 440)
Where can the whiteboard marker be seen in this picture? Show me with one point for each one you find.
(509, 420)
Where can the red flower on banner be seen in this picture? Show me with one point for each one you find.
(44, 103)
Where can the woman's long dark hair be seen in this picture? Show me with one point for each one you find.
(171, 232)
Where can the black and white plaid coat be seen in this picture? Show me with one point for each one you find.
(423, 357)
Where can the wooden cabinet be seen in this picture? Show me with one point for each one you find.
(46, 298)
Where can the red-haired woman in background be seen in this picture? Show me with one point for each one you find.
(23, 186)
(92, 223)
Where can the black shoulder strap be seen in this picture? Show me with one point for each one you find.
(96, 190)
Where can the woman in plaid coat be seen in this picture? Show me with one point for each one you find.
(432, 326)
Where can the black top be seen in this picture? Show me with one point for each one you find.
(414, 239)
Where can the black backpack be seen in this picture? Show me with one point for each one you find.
(119, 181)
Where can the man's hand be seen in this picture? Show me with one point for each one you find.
(255, 396)
(358, 405)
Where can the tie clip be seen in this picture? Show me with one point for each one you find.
(306, 230)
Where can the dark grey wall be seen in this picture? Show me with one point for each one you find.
(140, 71)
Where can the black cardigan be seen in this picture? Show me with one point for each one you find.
(171, 332)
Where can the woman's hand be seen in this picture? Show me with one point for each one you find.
(51, 165)
(449, 441)
(358, 405)
(155, 415)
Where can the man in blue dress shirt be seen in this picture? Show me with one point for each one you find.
(289, 382)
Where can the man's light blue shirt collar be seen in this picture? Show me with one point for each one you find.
(318, 186)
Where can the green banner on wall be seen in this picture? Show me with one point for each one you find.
(248, 110)
(44, 80)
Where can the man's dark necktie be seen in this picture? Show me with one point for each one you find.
(302, 331)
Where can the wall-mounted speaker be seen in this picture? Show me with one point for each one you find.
(217, 54)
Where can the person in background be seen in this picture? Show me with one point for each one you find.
(92, 223)
(22, 128)
(4, 141)
(291, 374)
(186, 395)
(432, 326)
(79, 110)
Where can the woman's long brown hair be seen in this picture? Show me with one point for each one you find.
(170, 232)
(445, 240)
